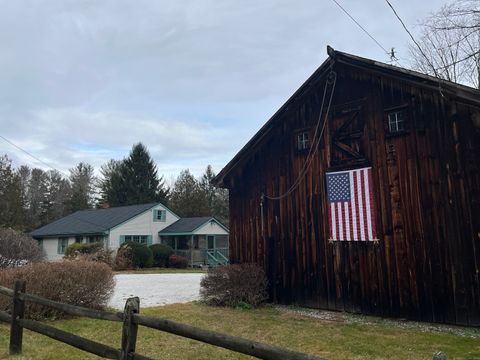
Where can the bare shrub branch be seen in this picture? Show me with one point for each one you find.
(18, 249)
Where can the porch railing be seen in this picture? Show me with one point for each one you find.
(211, 257)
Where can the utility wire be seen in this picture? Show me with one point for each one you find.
(48, 165)
(332, 79)
(31, 155)
(365, 31)
(439, 79)
(413, 39)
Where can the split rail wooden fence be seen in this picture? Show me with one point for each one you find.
(131, 320)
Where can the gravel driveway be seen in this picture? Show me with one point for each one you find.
(155, 289)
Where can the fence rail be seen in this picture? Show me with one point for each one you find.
(131, 320)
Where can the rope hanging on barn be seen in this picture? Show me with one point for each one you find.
(331, 81)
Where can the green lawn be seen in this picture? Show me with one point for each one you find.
(340, 337)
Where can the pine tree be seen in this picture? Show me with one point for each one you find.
(110, 184)
(217, 198)
(133, 180)
(57, 197)
(188, 198)
(82, 182)
(12, 213)
(36, 193)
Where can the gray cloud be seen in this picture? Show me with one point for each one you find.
(193, 80)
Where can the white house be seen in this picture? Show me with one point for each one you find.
(140, 223)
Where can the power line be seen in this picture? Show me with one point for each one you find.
(419, 48)
(413, 39)
(332, 79)
(361, 27)
(31, 155)
(48, 165)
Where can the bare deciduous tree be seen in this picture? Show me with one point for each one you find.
(450, 43)
(18, 249)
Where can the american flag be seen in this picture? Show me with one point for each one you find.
(350, 205)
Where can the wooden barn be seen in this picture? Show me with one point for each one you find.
(420, 139)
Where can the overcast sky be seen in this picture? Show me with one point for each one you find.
(192, 80)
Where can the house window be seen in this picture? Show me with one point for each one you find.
(78, 239)
(94, 238)
(303, 141)
(142, 239)
(396, 121)
(62, 245)
(159, 215)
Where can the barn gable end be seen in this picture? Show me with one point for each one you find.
(426, 180)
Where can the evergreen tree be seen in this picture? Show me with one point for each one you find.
(11, 210)
(188, 198)
(82, 183)
(217, 198)
(110, 184)
(207, 187)
(36, 197)
(57, 197)
(24, 174)
(133, 180)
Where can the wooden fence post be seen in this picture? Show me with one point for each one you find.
(18, 311)
(129, 330)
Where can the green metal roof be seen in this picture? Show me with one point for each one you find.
(189, 225)
(92, 221)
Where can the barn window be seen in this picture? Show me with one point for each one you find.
(396, 120)
(303, 140)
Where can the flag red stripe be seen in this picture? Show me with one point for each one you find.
(330, 221)
(357, 211)
(372, 204)
(362, 192)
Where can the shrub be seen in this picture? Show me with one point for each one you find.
(102, 255)
(140, 255)
(161, 254)
(89, 252)
(81, 283)
(177, 261)
(234, 285)
(18, 249)
(83, 248)
(123, 259)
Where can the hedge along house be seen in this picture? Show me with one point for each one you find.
(417, 141)
(112, 226)
(202, 240)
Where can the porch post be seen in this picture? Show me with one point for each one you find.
(191, 251)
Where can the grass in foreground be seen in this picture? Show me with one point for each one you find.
(346, 337)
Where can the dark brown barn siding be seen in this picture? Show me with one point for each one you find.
(426, 182)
